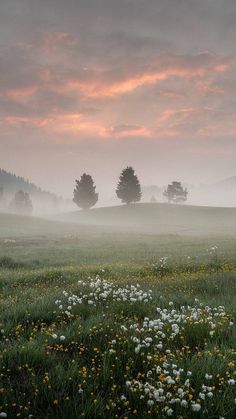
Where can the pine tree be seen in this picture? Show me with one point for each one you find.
(84, 193)
(128, 188)
(22, 203)
(1, 197)
(176, 193)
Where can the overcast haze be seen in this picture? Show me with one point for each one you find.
(96, 85)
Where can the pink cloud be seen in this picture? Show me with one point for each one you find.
(12, 120)
(65, 96)
(52, 41)
(125, 131)
(21, 92)
(73, 124)
(99, 83)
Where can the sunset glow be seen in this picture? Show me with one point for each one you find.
(103, 75)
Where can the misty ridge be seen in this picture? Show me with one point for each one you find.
(38, 201)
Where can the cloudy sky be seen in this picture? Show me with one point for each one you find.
(96, 85)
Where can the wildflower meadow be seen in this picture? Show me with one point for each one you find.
(132, 340)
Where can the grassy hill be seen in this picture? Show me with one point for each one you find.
(12, 225)
(117, 234)
(160, 218)
(143, 218)
(126, 235)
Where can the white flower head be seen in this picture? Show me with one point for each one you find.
(196, 407)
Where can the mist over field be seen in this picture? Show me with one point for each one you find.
(117, 209)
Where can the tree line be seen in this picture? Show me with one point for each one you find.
(128, 190)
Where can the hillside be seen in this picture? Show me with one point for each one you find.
(40, 242)
(12, 183)
(43, 201)
(140, 218)
(12, 225)
(160, 218)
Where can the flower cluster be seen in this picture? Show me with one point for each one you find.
(97, 290)
(161, 266)
(177, 324)
(168, 386)
(212, 250)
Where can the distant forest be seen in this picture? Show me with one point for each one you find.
(15, 188)
(12, 183)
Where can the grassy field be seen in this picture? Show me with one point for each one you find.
(38, 242)
(96, 322)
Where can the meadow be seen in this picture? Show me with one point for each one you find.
(96, 322)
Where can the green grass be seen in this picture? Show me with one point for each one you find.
(85, 375)
(80, 377)
(36, 242)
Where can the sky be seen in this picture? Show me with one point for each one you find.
(96, 85)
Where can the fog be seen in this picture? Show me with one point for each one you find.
(44, 203)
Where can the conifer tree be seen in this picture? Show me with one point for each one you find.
(1, 197)
(176, 193)
(84, 193)
(22, 203)
(128, 188)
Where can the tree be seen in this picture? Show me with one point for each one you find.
(176, 193)
(128, 188)
(1, 197)
(22, 203)
(84, 193)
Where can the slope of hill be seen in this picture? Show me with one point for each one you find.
(41, 242)
(13, 225)
(11, 183)
(160, 218)
(117, 235)
(139, 218)
(43, 201)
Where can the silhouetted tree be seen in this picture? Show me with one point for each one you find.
(128, 188)
(22, 203)
(84, 193)
(176, 193)
(1, 197)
